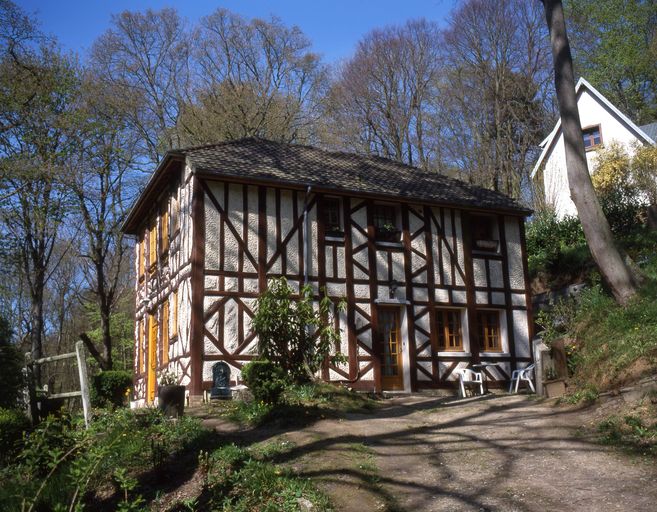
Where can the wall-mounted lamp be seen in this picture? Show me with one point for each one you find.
(392, 288)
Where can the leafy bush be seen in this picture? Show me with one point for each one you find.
(109, 388)
(291, 332)
(554, 244)
(11, 376)
(265, 379)
(62, 463)
(12, 425)
(244, 479)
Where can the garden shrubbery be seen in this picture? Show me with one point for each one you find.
(13, 423)
(110, 388)
(244, 479)
(556, 245)
(61, 465)
(266, 380)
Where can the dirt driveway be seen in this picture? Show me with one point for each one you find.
(503, 453)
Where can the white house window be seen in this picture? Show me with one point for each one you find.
(485, 233)
(592, 137)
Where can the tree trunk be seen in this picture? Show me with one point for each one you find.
(616, 273)
(36, 336)
(94, 351)
(105, 315)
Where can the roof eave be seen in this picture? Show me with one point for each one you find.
(142, 204)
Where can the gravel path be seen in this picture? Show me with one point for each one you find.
(506, 453)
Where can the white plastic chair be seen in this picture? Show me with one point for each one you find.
(526, 374)
(472, 379)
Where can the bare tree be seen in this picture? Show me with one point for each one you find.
(103, 188)
(617, 274)
(493, 94)
(145, 56)
(254, 78)
(384, 99)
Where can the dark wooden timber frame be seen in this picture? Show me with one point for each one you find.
(197, 285)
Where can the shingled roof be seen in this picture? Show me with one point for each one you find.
(296, 165)
(261, 159)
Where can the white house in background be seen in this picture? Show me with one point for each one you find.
(602, 125)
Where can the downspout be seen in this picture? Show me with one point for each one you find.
(306, 240)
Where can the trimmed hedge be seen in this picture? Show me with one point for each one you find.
(265, 379)
(109, 388)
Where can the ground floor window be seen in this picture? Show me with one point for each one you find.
(450, 334)
(489, 331)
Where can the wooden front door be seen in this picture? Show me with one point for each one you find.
(152, 357)
(392, 369)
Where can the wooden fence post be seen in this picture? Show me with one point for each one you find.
(84, 383)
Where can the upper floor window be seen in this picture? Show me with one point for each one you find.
(448, 325)
(384, 218)
(489, 331)
(485, 233)
(175, 215)
(332, 217)
(592, 137)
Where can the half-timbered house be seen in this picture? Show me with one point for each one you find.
(433, 270)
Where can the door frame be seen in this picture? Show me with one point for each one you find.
(402, 355)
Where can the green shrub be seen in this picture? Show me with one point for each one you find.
(61, 464)
(550, 241)
(292, 333)
(109, 388)
(265, 379)
(245, 479)
(12, 425)
(11, 376)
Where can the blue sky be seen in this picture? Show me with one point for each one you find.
(334, 26)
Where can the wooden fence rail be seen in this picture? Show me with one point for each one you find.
(79, 355)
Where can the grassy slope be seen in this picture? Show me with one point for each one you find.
(613, 345)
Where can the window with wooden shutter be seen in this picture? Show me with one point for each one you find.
(448, 325)
(175, 214)
(165, 332)
(140, 255)
(152, 246)
(139, 352)
(164, 230)
(174, 323)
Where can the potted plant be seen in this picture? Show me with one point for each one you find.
(554, 386)
(387, 233)
(170, 395)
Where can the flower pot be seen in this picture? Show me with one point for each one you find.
(555, 388)
(171, 400)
